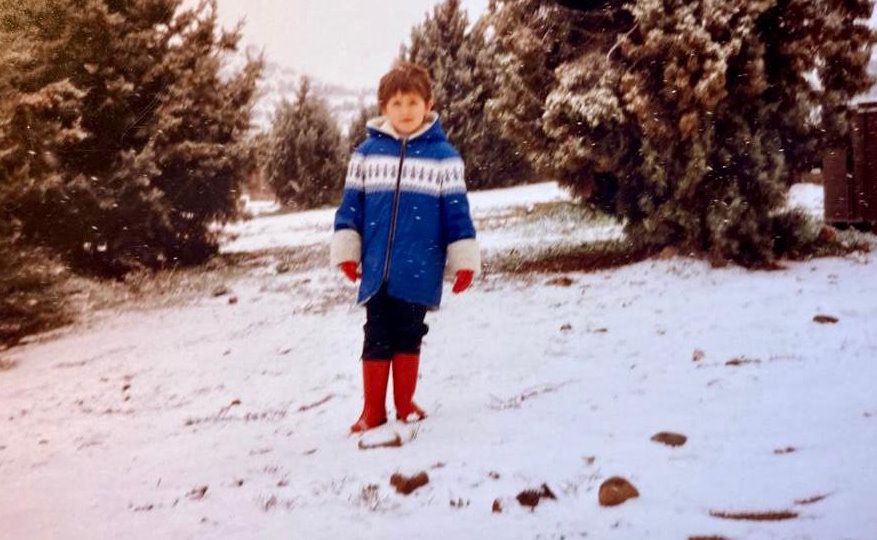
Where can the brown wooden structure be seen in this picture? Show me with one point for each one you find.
(850, 177)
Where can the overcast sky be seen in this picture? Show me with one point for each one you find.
(348, 42)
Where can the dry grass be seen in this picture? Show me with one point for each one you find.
(176, 286)
(559, 213)
(812, 240)
(589, 257)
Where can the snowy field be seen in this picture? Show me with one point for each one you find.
(229, 420)
(501, 217)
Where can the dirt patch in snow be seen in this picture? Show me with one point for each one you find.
(669, 438)
(773, 515)
(742, 361)
(810, 500)
(562, 281)
(7, 364)
(395, 442)
(197, 493)
(407, 484)
(531, 497)
(315, 404)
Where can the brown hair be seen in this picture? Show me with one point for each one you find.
(405, 77)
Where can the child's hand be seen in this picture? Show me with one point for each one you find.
(463, 280)
(349, 269)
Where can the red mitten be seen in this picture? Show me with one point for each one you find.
(349, 269)
(463, 280)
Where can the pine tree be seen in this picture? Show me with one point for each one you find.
(533, 40)
(200, 145)
(306, 162)
(462, 67)
(356, 131)
(123, 134)
(31, 297)
(686, 118)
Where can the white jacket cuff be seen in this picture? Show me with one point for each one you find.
(463, 254)
(346, 246)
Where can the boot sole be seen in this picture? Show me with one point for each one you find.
(363, 426)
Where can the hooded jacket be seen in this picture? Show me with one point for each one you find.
(404, 215)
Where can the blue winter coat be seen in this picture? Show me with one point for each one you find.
(406, 201)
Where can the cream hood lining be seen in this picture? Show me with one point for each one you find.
(383, 124)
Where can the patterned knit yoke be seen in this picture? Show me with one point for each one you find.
(404, 214)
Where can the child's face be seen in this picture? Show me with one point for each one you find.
(406, 111)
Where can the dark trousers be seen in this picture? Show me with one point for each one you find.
(392, 326)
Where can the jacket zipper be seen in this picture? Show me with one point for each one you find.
(392, 236)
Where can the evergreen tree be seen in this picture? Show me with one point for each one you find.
(306, 162)
(462, 66)
(31, 299)
(684, 117)
(533, 40)
(257, 146)
(123, 133)
(201, 145)
(356, 131)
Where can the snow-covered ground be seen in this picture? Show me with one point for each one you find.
(229, 420)
(807, 197)
(501, 216)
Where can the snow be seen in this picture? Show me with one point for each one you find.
(807, 197)
(280, 231)
(115, 426)
(485, 201)
(260, 207)
(315, 226)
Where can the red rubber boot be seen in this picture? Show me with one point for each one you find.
(375, 375)
(405, 366)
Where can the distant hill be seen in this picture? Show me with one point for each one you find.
(279, 82)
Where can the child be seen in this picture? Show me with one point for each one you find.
(404, 217)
